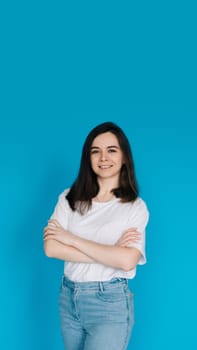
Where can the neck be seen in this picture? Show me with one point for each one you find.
(106, 186)
(104, 196)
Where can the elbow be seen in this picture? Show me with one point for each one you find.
(48, 249)
(126, 267)
(128, 264)
(130, 260)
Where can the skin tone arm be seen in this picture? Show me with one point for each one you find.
(62, 244)
(58, 250)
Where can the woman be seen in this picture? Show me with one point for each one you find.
(98, 229)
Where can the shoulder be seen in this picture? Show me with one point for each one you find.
(62, 197)
(140, 206)
(140, 203)
(135, 208)
(138, 214)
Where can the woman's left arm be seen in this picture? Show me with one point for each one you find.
(117, 256)
(123, 258)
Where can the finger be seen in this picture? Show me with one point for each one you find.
(47, 237)
(121, 243)
(127, 236)
(131, 235)
(52, 228)
(54, 222)
(133, 239)
(131, 229)
(50, 232)
(49, 226)
(128, 240)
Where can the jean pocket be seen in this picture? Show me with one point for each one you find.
(111, 296)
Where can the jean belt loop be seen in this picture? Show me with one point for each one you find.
(101, 286)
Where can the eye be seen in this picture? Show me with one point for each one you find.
(94, 151)
(112, 150)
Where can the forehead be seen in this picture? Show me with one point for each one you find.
(105, 140)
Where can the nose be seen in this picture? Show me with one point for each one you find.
(103, 156)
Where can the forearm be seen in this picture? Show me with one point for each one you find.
(68, 246)
(55, 249)
(114, 256)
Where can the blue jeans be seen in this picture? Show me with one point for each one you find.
(96, 315)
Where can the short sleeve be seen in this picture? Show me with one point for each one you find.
(62, 210)
(139, 219)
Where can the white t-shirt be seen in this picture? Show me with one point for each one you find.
(104, 223)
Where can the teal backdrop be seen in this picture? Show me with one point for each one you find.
(66, 67)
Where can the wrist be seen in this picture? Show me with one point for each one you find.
(73, 240)
(76, 241)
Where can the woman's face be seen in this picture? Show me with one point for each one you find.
(106, 157)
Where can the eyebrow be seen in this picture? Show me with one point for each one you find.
(112, 146)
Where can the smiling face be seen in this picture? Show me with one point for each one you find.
(106, 157)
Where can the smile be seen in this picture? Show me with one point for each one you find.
(105, 166)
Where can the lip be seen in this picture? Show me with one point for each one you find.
(105, 166)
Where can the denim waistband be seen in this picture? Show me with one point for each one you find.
(96, 285)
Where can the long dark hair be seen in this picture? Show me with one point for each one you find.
(86, 186)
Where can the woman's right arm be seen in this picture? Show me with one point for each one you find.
(57, 250)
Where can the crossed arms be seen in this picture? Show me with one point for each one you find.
(64, 245)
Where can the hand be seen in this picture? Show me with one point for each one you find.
(129, 236)
(55, 231)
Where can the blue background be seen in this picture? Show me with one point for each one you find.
(66, 67)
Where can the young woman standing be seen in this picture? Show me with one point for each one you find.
(98, 229)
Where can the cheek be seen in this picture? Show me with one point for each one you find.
(92, 162)
(120, 161)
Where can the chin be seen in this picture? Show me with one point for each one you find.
(108, 175)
